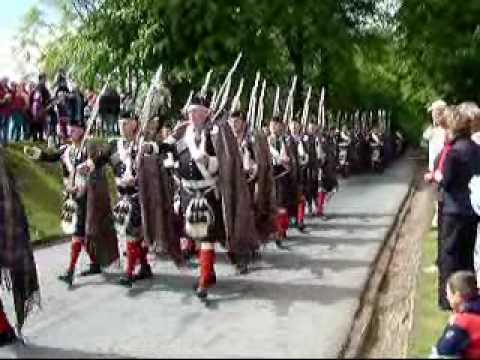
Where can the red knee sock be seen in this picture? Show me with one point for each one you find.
(207, 268)
(75, 251)
(301, 212)
(5, 326)
(133, 255)
(282, 221)
(321, 200)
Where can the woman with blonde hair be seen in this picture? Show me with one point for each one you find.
(457, 164)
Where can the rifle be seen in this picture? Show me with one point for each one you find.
(306, 107)
(236, 99)
(276, 103)
(261, 105)
(225, 89)
(288, 114)
(253, 103)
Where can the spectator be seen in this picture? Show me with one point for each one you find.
(473, 112)
(109, 111)
(18, 110)
(39, 100)
(26, 111)
(436, 136)
(30, 88)
(458, 163)
(76, 103)
(5, 108)
(62, 114)
(461, 338)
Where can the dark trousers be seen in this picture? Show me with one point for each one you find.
(439, 231)
(37, 131)
(457, 241)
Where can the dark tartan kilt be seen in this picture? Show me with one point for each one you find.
(329, 177)
(285, 194)
(311, 182)
(216, 231)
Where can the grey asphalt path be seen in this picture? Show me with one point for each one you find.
(298, 302)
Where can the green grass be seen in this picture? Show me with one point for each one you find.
(40, 186)
(429, 321)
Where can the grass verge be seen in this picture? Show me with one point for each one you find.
(40, 187)
(429, 321)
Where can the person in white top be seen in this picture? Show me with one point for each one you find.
(435, 134)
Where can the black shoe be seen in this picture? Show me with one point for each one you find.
(144, 273)
(94, 269)
(201, 294)
(67, 278)
(8, 338)
(242, 269)
(256, 255)
(301, 227)
(126, 281)
(280, 245)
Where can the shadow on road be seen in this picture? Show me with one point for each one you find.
(31, 351)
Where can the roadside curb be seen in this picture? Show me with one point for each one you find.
(362, 320)
(48, 242)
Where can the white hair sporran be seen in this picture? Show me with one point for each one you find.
(199, 216)
(122, 212)
(69, 215)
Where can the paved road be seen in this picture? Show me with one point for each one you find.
(298, 303)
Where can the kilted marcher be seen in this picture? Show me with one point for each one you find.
(215, 205)
(328, 178)
(285, 195)
(297, 145)
(122, 155)
(17, 264)
(86, 212)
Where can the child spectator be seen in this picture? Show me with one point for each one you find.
(461, 338)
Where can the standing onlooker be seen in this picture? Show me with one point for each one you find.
(39, 100)
(76, 103)
(18, 110)
(62, 94)
(5, 107)
(109, 111)
(472, 110)
(435, 134)
(25, 91)
(458, 163)
(30, 88)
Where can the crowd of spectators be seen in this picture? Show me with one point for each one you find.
(35, 111)
(454, 169)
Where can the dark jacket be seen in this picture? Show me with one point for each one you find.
(461, 164)
(461, 337)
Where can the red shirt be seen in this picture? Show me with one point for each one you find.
(18, 103)
(5, 109)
